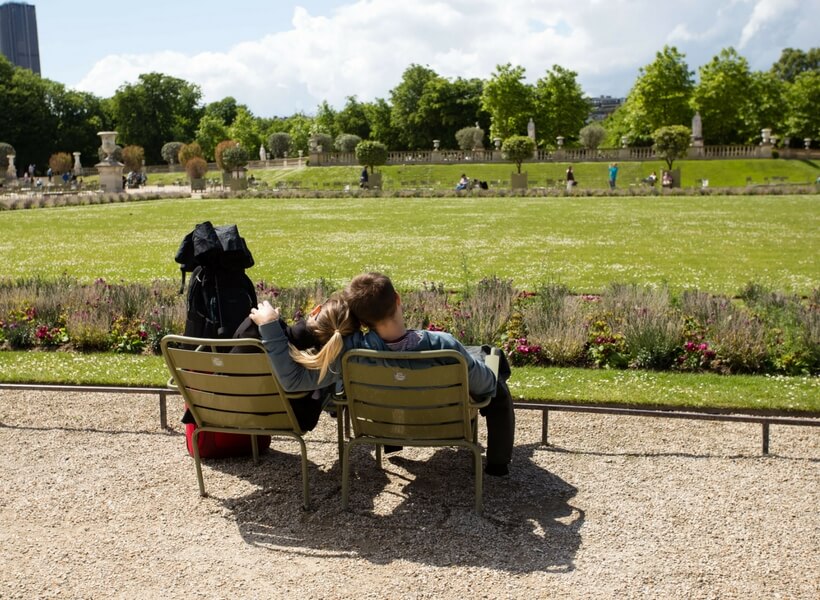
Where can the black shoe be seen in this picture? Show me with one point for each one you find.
(497, 470)
(393, 449)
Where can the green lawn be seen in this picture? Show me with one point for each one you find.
(715, 244)
(720, 173)
(635, 388)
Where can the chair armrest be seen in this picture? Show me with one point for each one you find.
(172, 384)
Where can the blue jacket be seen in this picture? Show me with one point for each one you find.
(297, 378)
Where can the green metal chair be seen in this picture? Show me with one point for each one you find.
(232, 393)
(409, 399)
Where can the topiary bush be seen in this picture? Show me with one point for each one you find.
(170, 152)
(279, 144)
(371, 154)
(220, 149)
(189, 151)
(196, 167)
(234, 157)
(61, 162)
(132, 158)
(321, 139)
(517, 149)
(347, 142)
(470, 138)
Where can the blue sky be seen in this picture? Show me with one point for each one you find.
(284, 57)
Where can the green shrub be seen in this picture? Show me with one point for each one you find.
(347, 142)
(279, 144)
(517, 149)
(170, 152)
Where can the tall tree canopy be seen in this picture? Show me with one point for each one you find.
(792, 62)
(660, 97)
(722, 97)
(154, 110)
(412, 131)
(509, 101)
(560, 106)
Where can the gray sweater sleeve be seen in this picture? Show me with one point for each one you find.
(293, 376)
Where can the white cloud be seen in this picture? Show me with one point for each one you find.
(765, 11)
(363, 47)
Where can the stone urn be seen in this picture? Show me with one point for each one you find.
(109, 169)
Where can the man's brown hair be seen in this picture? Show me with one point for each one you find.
(371, 298)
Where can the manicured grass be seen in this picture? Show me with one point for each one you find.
(715, 244)
(635, 388)
(720, 173)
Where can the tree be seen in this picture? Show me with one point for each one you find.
(189, 151)
(353, 118)
(794, 62)
(132, 157)
(560, 108)
(446, 106)
(661, 96)
(170, 152)
(722, 97)
(60, 162)
(769, 106)
(245, 130)
(371, 154)
(803, 100)
(381, 126)
(508, 100)
(279, 144)
(671, 143)
(225, 110)
(412, 131)
(470, 138)
(517, 149)
(346, 142)
(154, 109)
(325, 119)
(299, 128)
(210, 132)
(592, 135)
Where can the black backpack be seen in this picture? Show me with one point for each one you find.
(220, 294)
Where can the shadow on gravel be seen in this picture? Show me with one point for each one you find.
(419, 511)
(157, 432)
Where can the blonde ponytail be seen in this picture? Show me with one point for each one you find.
(330, 326)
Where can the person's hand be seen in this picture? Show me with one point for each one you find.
(264, 313)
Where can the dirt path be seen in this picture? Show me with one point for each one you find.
(96, 502)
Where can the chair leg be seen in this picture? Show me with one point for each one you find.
(479, 481)
(379, 455)
(305, 483)
(255, 449)
(345, 474)
(198, 463)
(340, 435)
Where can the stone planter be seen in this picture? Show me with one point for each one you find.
(518, 181)
(198, 185)
(375, 181)
(237, 185)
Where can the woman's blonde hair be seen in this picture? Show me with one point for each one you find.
(334, 322)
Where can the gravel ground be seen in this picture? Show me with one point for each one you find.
(96, 501)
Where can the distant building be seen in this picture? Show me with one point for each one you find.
(603, 106)
(18, 35)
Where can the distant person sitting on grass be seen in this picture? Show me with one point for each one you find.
(666, 179)
(372, 300)
(651, 179)
(463, 183)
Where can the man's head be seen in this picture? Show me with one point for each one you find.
(371, 298)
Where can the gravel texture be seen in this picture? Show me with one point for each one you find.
(97, 501)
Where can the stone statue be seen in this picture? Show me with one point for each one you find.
(697, 127)
(263, 155)
(531, 130)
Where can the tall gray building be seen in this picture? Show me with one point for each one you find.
(18, 35)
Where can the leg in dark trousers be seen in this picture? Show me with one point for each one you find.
(500, 416)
